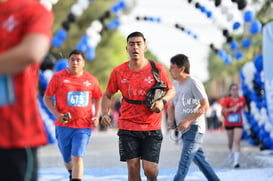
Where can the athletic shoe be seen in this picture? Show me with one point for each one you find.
(231, 157)
(237, 165)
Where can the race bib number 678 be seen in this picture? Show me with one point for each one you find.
(79, 98)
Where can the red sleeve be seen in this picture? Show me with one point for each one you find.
(40, 20)
(112, 86)
(52, 86)
(225, 102)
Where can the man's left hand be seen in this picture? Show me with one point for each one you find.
(157, 106)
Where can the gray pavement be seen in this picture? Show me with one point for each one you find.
(102, 152)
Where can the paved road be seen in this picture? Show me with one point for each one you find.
(102, 152)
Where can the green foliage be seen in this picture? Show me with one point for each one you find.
(110, 52)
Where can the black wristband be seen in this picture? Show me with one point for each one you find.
(164, 101)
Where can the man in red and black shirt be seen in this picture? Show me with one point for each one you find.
(25, 34)
(139, 133)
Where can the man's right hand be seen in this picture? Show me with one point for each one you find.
(62, 118)
(106, 121)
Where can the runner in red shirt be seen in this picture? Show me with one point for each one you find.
(139, 133)
(74, 90)
(25, 33)
(232, 110)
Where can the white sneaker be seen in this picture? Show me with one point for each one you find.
(231, 157)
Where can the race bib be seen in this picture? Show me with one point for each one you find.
(6, 90)
(78, 99)
(234, 118)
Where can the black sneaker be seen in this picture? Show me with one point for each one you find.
(237, 165)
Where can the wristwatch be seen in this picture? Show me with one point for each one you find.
(164, 101)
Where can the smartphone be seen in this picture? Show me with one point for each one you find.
(67, 116)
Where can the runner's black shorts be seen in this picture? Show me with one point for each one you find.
(18, 164)
(232, 127)
(145, 145)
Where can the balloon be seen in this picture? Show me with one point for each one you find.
(77, 10)
(82, 47)
(46, 4)
(241, 4)
(228, 59)
(222, 54)
(71, 17)
(224, 9)
(209, 14)
(202, 8)
(249, 16)
(61, 64)
(61, 34)
(97, 26)
(217, 3)
(258, 62)
(83, 3)
(239, 54)
(255, 27)
(236, 25)
(48, 74)
(262, 134)
(248, 70)
(121, 4)
(268, 127)
(54, 1)
(233, 45)
(250, 141)
(229, 17)
(84, 39)
(90, 54)
(56, 42)
(113, 24)
(42, 80)
(66, 25)
(115, 9)
(48, 62)
(267, 141)
(246, 43)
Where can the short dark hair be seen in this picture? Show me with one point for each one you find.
(181, 60)
(76, 52)
(231, 85)
(135, 34)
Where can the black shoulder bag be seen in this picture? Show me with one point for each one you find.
(155, 93)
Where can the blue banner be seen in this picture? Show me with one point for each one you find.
(268, 66)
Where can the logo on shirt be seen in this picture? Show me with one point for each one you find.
(10, 24)
(66, 81)
(149, 80)
(124, 81)
(87, 83)
(189, 101)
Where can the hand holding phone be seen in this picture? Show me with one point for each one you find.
(67, 116)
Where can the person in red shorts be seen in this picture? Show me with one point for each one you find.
(139, 132)
(233, 123)
(25, 34)
(74, 90)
